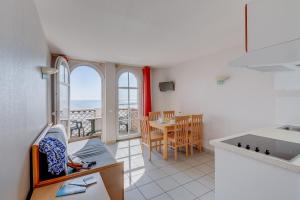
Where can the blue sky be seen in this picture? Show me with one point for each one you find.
(85, 84)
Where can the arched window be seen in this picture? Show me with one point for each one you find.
(86, 102)
(128, 105)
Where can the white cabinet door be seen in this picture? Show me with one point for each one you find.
(272, 22)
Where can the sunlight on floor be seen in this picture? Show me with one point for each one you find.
(187, 178)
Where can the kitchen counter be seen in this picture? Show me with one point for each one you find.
(242, 173)
(274, 133)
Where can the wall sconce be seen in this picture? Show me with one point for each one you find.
(221, 79)
(47, 71)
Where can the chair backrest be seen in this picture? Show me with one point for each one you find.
(196, 127)
(153, 116)
(145, 129)
(181, 129)
(169, 114)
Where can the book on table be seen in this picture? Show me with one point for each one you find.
(76, 186)
(67, 189)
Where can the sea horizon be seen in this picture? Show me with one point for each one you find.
(85, 104)
(91, 104)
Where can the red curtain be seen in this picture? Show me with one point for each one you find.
(147, 90)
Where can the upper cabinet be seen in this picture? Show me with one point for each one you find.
(271, 22)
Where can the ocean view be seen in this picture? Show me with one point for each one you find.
(85, 104)
(90, 104)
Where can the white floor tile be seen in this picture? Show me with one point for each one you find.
(194, 173)
(203, 159)
(128, 185)
(167, 183)
(212, 174)
(207, 181)
(196, 188)
(182, 166)
(134, 195)
(156, 174)
(181, 193)
(205, 168)
(161, 163)
(151, 190)
(208, 196)
(140, 179)
(164, 196)
(182, 178)
(170, 170)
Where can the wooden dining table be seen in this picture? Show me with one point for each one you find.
(165, 128)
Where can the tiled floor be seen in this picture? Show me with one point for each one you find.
(186, 179)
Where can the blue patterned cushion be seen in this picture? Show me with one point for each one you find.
(55, 151)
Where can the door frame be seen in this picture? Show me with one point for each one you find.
(138, 76)
(58, 62)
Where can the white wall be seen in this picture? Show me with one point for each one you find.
(287, 86)
(246, 101)
(23, 93)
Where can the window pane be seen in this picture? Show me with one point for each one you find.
(123, 98)
(64, 101)
(66, 76)
(132, 80)
(133, 96)
(61, 73)
(123, 80)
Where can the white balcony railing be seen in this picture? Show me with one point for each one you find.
(85, 122)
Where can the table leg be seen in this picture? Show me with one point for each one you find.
(165, 149)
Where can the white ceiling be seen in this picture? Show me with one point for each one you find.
(141, 32)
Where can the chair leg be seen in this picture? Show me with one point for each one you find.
(159, 146)
(150, 149)
(156, 146)
(192, 149)
(186, 150)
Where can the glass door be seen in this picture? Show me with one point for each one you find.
(63, 93)
(128, 106)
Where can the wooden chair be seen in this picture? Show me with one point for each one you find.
(180, 136)
(169, 114)
(153, 116)
(149, 137)
(196, 133)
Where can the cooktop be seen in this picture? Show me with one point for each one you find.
(268, 146)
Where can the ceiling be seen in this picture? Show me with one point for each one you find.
(158, 33)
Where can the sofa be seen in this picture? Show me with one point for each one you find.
(88, 150)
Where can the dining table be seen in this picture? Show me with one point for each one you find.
(165, 127)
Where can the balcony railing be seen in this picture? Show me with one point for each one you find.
(89, 122)
(128, 121)
(85, 122)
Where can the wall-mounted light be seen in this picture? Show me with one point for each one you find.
(47, 71)
(221, 79)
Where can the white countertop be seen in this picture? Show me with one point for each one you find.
(279, 134)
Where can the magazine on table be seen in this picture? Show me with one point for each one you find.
(76, 186)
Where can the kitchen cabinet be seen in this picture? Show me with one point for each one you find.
(271, 22)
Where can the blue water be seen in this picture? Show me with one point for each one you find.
(85, 104)
(91, 104)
